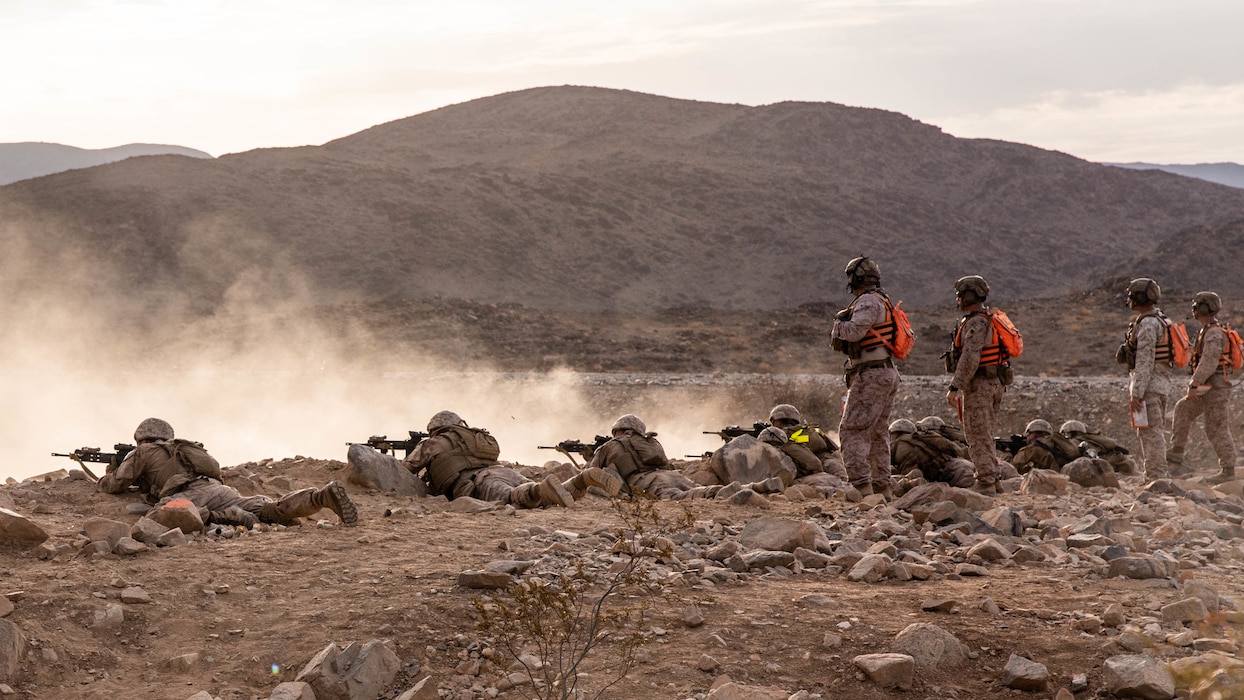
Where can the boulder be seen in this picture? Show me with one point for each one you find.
(1186, 610)
(484, 580)
(1135, 676)
(105, 530)
(12, 648)
(887, 670)
(18, 532)
(1043, 481)
(179, 513)
(1025, 674)
(147, 530)
(1089, 472)
(930, 646)
(746, 460)
(425, 689)
(358, 671)
(778, 534)
(294, 690)
(1137, 568)
(367, 467)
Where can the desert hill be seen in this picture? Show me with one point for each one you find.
(587, 199)
(20, 161)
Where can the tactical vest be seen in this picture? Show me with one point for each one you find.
(886, 331)
(1163, 352)
(635, 454)
(992, 353)
(1224, 360)
(469, 448)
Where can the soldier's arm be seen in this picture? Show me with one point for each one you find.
(867, 312)
(1146, 345)
(1211, 350)
(420, 457)
(118, 480)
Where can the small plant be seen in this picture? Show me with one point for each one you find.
(562, 620)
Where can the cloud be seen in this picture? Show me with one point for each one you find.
(1121, 126)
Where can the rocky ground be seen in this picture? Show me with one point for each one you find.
(1047, 589)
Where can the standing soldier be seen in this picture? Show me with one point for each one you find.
(1148, 354)
(866, 331)
(976, 390)
(1209, 392)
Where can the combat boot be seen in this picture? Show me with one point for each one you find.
(1222, 477)
(1175, 463)
(334, 497)
(883, 490)
(606, 481)
(552, 493)
(865, 490)
(233, 516)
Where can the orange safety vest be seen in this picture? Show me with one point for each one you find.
(883, 334)
(1224, 360)
(1164, 349)
(992, 353)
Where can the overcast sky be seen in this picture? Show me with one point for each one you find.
(1107, 80)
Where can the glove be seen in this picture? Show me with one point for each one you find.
(844, 315)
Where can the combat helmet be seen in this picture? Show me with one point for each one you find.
(862, 271)
(931, 423)
(1038, 426)
(153, 429)
(629, 422)
(444, 419)
(785, 411)
(773, 436)
(972, 284)
(1206, 303)
(1072, 427)
(903, 426)
(1143, 291)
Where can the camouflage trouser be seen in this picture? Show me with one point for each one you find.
(956, 472)
(982, 398)
(212, 495)
(1153, 438)
(1216, 407)
(500, 484)
(864, 429)
(669, 485)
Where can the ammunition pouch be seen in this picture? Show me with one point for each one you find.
(951, 359)
(1003, 373)
(1126, 355)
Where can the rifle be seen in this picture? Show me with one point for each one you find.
(1013, 444)
(730, 432)
(384, 444)
(571, 447)
(93, 454)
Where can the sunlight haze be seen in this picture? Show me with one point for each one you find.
(1101, 79)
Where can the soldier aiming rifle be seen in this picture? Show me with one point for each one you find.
(1010, 445)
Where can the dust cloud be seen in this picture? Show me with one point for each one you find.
(262, 377)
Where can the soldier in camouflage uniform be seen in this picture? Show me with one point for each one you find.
(1045, 449)
(976, 389)
(872, 381)
(811, 450)
(937, 458)
(638, 458)
(1209, 391)
(154, 469)
(456, 460)
(1103, 446)
(1150, 373)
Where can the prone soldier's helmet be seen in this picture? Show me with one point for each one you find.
(1143, 291)
(1038, 426)
(153, 429)
(629, 422)
(773, 436)
(785, 411)
(862, 271)
(972, 288)
(443, 419)
(1206, 303)
(930, 423)
(903, 427)
(1072, 427)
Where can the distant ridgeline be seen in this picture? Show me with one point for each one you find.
(1230, 174)
(21, 161)
(590, 199)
